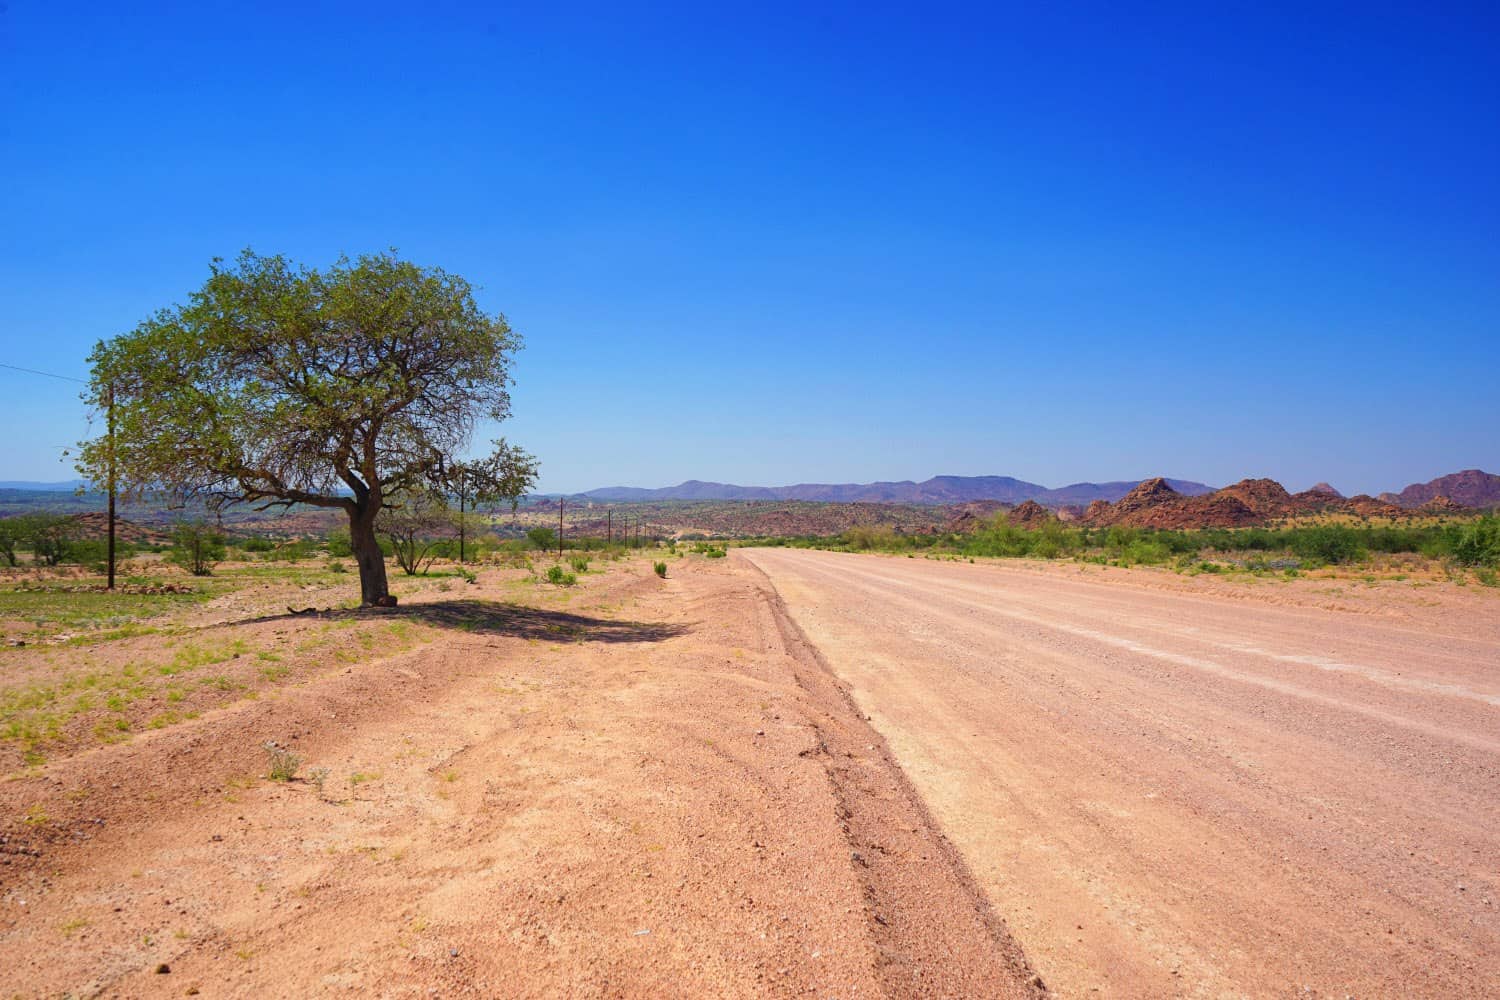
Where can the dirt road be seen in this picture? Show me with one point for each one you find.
(1184, 787)
(632, 788)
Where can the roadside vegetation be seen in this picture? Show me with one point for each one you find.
(1460, 546)
(82, 666)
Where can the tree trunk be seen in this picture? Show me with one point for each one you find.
(373, 589)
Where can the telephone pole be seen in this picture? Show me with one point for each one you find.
(460, 517)
(560, 502)
(111, 548)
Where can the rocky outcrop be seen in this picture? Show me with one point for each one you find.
(1470, 488)
(1030, 515)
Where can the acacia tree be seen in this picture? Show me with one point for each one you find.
(279, 385)
(415, 522)
(507, 473)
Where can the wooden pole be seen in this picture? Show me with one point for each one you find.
(460, 518)
(609, 527)
(560, 502)
(111, 546)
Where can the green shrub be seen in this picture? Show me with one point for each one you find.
(661, 569)
(580, 564)
(1145, 552)
(292, 551)
(257, 544)
(339, 545)
(196, 547)
(284, 763)
(561, 577)
(12, 534)
(50, 537)
(94, 552)
(1328, 543)
(542, 538)
(1478, 544)
(862, 537)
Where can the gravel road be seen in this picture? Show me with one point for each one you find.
(1189, 787)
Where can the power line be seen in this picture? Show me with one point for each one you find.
(33, 371)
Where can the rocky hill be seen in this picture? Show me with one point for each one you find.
(1030, 515)
(1470, 488)
(1154, 504)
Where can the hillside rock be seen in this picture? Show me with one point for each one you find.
(1264, 497)
(966, 518)
(1223, 509)
(1150, 493)
(96, 526)
(1365, 505)
(1470, 488)
(1030, 515)
(1098, 513)
(1442, 505)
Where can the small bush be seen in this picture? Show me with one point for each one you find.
(561, 577)
(292, 551)
(1329, 543)
(196, 547)
(1478, 544)
(542, 538)
(580, 564)
(861, 538)
(284, 763)
(339, 545)
(257, 544)
(51, 537)
(661, 569)
(94, 552)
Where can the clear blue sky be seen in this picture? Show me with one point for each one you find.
(831, 242)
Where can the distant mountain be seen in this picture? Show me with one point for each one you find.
(937, 490)
(1470, 488)
(64, 487)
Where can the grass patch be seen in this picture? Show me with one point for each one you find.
(56, 609)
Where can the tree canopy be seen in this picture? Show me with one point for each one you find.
(281, 384)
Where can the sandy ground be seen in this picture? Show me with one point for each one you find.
(1193, 787)
(642, 787)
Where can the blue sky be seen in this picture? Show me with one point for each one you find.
(831, 242)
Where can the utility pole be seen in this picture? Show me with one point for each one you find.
(560, 502)
(609, 527)
(110, 406)
(460, 517)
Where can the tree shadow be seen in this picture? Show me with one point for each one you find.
(480, 617)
